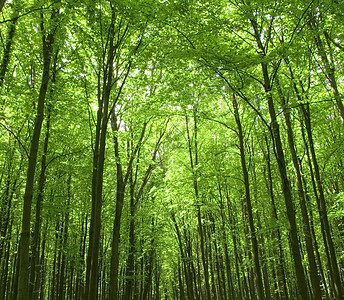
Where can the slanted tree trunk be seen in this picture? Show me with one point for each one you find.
(329, 69)
(293, 232)
(279, 153)
(313, 270)
(326, 230)
(315, 242)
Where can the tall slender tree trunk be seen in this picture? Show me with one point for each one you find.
(327, 236)
(236, 247)
(114, 271)
(293, 232)
(64, 241)
(180, 284)
(129, 290)
(41, 276)
(15, 275)
(248, 204)
(210, 258)
(6, 218)
(149, 264)
(24, 245)
(286, 188)
(230, 286)
(313, 270)
(54, 277)
(194, 165)
(314, 237)
(34, 265)
(79, 285)
(185, 260)
(89, 258)
(92, 272)
(276, 234)
(5, 274)
(121, 181)
(220, 286)
(263, 248)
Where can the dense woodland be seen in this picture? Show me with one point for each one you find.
(172, 149)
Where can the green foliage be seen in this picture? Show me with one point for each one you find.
(177, 66)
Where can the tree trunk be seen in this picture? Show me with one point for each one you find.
(276, 234)
(129, 289)
(220, 286)
(236, 247)
(130, 271)
(149, 263)
(248, 204)
(92, 273)
(185, 260)
(7, 52)
(64, 240)
(79, 285)
(54, 277)
(34, 265)
(180, 284)
(293, 233)
(316, 247)
(230, 286)
(114, 265)
(41, 278)
(286, 188)
(327, 236)
(120, 191)
(201, 234)
(263, 248)
(24, 245)
(313, 270)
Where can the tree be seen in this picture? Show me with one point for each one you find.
(171, 150)
(47, 43)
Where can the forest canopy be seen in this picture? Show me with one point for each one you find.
(171, 149)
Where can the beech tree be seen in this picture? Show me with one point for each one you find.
(171, 150)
